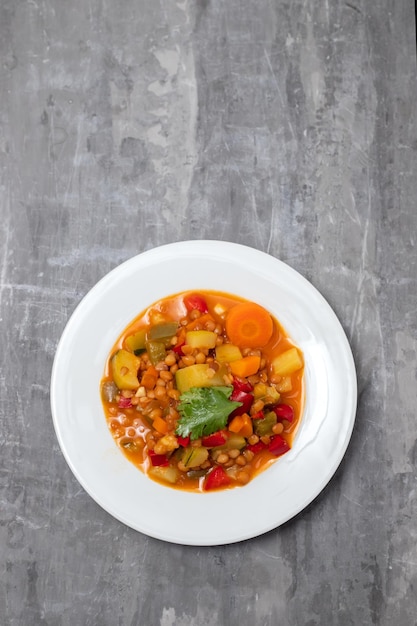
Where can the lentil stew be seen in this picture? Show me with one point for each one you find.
(203, 391)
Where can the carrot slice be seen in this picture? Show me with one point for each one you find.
(249, 325)
(247, 366)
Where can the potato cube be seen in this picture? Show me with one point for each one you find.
(199, 375)
(227, 353)
(125, 367)
(288, 362)
(200, 339)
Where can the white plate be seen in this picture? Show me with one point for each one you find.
(277, 494)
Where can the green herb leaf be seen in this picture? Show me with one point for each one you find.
(204, 410)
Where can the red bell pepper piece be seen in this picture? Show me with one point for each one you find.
(278, 445)
(258, 416)
(242, 385)
(124, 403)
(284, 412)
(216, 439)
(195, 302)
(245, 398)
(256, 447)
(216, 478)
(158, 460)
(178, 349)
(183, 441)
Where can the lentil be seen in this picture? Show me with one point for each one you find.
(278, 428)
(166, 376)
(170, 359)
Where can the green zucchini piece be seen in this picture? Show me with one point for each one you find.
(163, 332)
(193, 457)
(233, 442)
(136, 342)
(264, 426)
(196, 473)
(156, 351)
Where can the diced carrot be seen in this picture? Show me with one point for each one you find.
(160, 425)
(241, 425)
(149, 378)
(247, 428)
(236, 424)
(181, 336)
(247, 366)
(198, 324)
(249, 325)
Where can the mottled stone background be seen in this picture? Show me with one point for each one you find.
(286, 125)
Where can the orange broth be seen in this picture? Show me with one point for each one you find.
(141, 419)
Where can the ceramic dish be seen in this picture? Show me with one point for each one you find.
(211, 518)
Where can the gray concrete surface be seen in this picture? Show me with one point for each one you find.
(289, 126)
